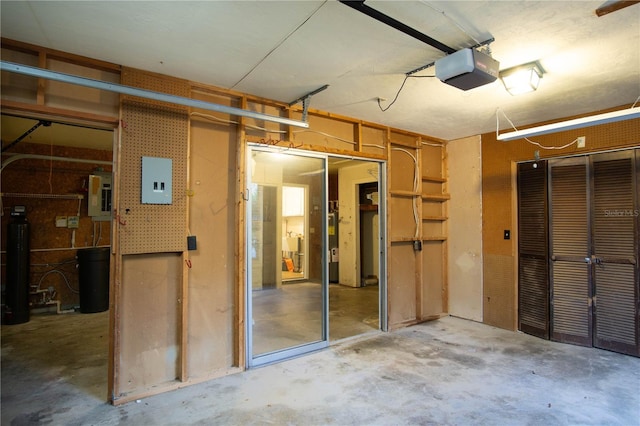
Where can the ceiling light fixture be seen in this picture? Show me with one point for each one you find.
(523, 78)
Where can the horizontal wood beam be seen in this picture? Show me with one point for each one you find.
(50, 113)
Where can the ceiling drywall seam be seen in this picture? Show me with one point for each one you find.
(278, 45)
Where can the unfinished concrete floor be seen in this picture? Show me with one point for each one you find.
(446, 372)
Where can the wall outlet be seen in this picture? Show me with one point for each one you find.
(582, 140)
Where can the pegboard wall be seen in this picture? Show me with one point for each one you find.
(154, 82)
(152, 131)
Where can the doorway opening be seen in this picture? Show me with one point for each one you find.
(354, 248)
(295, 220)
(47, 167)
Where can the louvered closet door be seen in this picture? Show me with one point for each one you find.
(533, 276)
(615, 252)
(569, 271)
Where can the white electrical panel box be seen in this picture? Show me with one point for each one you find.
(99, 197)
(157, 180)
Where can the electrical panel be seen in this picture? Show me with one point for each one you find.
(99, 198)
(157, 180)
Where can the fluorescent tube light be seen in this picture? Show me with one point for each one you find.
(608, 117)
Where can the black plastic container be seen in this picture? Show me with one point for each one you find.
(93, 272)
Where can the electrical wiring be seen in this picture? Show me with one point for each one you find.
(395, 98)
(66, 280)
(527, 139)
(374, 145)
(431, 144)
(406, 77)
(415, 188)
(222, 120)
(325, 134)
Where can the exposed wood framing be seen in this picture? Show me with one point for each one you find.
(184, 288)
(360, 131)
(57, 54)
(419, 254)
(327, 150)
(241, 271)
(445, 230)
(115, 284)
(65, 115)
(42, 84)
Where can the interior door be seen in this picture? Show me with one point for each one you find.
(571, 298)
(533, 269)
(284, 319)
(615, 252)
(593, 245)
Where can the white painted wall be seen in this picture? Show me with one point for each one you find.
(348, 219)
(465, 228)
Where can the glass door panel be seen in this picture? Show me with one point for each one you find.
(286, 234)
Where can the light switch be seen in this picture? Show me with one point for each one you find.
(157, 180)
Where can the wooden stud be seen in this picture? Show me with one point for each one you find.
(42, 83)
(113, 379)
(184, 292)
(445, 245)
(241, 240)
(419, 256)
(388, 221)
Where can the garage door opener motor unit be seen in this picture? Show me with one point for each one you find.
(467, 69)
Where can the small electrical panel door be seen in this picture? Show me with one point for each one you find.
(157, 180)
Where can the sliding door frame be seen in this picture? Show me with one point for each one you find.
(281, 355)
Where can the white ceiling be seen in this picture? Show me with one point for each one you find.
(283, 50)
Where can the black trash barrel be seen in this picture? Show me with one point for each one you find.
(93, 274)
(17, 289)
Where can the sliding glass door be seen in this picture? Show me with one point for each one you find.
(287, 239)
